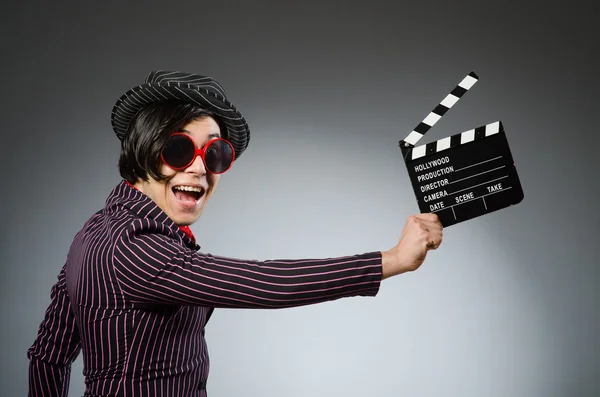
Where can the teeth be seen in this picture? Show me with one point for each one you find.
(189, 188)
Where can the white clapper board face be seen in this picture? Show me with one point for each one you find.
(465, 175)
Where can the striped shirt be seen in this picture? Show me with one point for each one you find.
(136, 292)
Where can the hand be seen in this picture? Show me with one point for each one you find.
(421, 233)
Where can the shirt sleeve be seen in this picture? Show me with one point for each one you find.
(56, 346)
(154, 268)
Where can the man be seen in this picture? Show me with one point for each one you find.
(136, 292)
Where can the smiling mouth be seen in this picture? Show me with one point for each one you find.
(188, 194)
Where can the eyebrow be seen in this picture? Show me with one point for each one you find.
(211, 135)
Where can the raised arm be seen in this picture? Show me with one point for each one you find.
(56, 346)
(153, 268)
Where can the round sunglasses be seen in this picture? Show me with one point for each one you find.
(180, 152)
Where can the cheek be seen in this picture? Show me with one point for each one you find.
(213, 179)
(167, 171)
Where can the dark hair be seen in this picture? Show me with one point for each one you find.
(148, 133)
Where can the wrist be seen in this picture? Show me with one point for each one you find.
(387, 264)
(392, 264)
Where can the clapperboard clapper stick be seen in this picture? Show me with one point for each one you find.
(465, 175)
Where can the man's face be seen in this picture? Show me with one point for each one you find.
(185, 207)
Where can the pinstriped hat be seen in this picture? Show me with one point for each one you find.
(201, 90)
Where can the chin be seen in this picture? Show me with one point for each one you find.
(187, 214)
(186, 220)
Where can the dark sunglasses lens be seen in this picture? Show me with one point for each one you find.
(179, 151)
(218, 157)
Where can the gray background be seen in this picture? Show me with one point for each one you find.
(508, 306)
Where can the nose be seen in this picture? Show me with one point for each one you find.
(197, 167)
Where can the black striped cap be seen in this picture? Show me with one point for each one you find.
(201, 90)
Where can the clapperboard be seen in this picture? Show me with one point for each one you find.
(465, 175)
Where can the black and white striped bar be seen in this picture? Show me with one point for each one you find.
(441, 109)
(455, 140)
(465, 175)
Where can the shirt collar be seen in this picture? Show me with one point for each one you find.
(143, 206)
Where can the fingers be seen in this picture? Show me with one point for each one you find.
(421, 233)
(432, 225)
(434, 240)
(429, 221)
(430, 217)
(431, 230)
